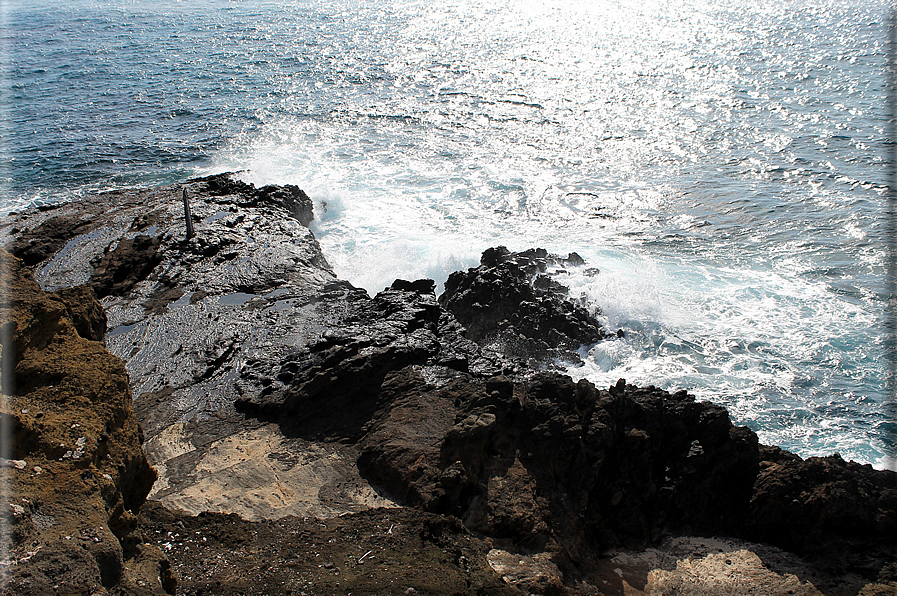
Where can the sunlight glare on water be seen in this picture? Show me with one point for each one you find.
(721, 163)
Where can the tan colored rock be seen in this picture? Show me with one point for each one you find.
(71, 419)
(738, 573)
(533, 574)
(259, 474)
(876, 589)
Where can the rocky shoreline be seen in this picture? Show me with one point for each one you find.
(291, 434)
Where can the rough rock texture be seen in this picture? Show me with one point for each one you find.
(378, 552)
(331, 386)
(189, 317)
(512, 303)
(550, 460)
(714, 565)
(271, 389)
(798, 503)
(824, 505)
(739, 573)
(77, 474)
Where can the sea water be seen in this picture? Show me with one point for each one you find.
(721, 162)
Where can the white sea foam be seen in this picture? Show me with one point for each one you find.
(786, 356)
(705, 188)
(721, 163)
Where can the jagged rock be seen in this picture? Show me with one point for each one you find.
(550, 459)
(187, 315)
(270, 388)
(510, 302)
(245, 313)
(551, 464)
(71, 415)
(352, 356)
(86, 313)
(810, 505)
(291, 197)
(334, 383)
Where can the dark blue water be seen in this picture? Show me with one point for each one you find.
(722, 162)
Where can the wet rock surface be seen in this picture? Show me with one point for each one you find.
(332, 385)
(514, 303)
(268, 388)
(186, 316)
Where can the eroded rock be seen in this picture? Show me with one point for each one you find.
(186, 316)
(511, 302)
(381, 551)
(74, 504)
(826, 507)
(739, 573)
(552, 460)
(269, 388)
(332, 386)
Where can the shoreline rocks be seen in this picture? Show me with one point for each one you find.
(513, 304)
(267, 387)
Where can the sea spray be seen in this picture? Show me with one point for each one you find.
(721, 163)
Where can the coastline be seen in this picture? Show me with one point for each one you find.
(254, 371)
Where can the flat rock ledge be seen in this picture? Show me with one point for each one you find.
(307, 438)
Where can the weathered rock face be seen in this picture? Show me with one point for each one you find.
(78, 474)
(332, 386)
(546, 464)
(268, 388)
(552, 460)
(40, 242)
(510, 302)
(401, 451)
(821, 504)
(196, 320)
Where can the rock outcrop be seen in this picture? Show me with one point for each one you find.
(824, 507)
(77, 474)
(268, 388)
(331, 386)
(197, 321)
(552, 461)
(799, 503)
(514, 304)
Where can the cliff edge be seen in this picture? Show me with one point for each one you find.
(77, 474)
(411, 428)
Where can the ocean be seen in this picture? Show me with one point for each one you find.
(722, 162)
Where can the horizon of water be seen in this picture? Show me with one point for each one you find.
(722, 163)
